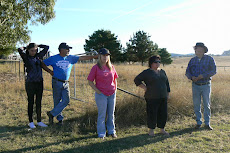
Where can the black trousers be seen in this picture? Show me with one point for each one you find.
(157, 112)
(34, 89)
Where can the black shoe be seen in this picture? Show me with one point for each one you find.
(208, 127)
(60, 122)
(197, 126)
(51, 120)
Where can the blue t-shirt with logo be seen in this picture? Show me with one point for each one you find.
(61, 65)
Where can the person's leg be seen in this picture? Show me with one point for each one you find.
(111, 103)
(162, 113)
(196, 94)
(206, 101)
(30, 94)
(39, 92)
(65, 96)
(151, 109)
(101, 101)
(57, 95)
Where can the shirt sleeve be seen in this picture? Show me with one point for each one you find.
(139, 78)
(188, 73)
(21, 53)
(74, 59)
(48, 61)
(42, 53)
(211, 70)
(167, 83)
(115, 73)
(92, 74)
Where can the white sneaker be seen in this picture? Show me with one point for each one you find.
(41, 124)
(31, 125)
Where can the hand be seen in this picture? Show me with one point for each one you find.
(200, 77)
(96, 56)
(168, 95)
(51, 73)
(194, 79)
(98, 92)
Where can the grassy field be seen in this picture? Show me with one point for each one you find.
(78, 134)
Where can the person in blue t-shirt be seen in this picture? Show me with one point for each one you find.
(62, 64)
(34, 80)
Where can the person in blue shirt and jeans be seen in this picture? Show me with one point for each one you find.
(200, 70)
(62, 64)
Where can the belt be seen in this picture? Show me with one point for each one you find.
(200, 84)
(64, 81)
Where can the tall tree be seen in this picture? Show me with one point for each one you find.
(15, 16)
(140, 47)
(104, 39)
(165, 56)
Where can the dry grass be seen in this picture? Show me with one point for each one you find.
(78, 132)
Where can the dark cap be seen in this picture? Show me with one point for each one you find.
(64, 46)
(104, 51)
(200, 44)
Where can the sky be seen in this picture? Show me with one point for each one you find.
(172, 24)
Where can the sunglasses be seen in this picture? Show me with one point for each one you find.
(157, 62)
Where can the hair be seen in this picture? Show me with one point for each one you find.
(31, 45)
(108, 64)
(153, 59)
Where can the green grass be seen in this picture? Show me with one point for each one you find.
(68, 138)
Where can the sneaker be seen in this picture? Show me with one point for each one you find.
(208, 127)
(197, 126)
(114, 135)
(103, 137)
(51, 120)
(41, 124)
(31, 125)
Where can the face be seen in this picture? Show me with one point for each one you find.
(156, 64)
(64, 52)
(199, 51)
(33, 51)
(105, 58)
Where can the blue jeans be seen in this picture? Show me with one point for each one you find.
(105, 104)
(205, 92)
(61, 97)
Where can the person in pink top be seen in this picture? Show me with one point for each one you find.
(105, 86)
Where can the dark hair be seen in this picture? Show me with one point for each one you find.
(31, 45)
(153, 59)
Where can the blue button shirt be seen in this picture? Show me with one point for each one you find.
(205, 66)
(61, 65)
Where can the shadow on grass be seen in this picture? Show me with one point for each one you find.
(108, 144)
(120, 144)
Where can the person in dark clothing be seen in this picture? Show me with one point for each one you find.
(156, 87)
(34, 80)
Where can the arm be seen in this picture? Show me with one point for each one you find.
(81, 58)
(94, 87)
(44, 51)
(46, 68)
(211, 69)
(187, 73)
(138, 81)
(22, 54)
(142, 86)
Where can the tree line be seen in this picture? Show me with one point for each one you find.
(139, 48)
(15, 16)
